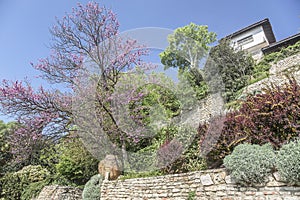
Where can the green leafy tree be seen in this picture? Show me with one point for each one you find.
(188, 45)
(235, 68)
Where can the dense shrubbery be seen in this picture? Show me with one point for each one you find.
(288, 162)
(91, 189)
(16, 183)
(75, 163)
(253, 163)
(272, 117)
(65, 163)
(5, 153)
(180, 152)
(250, 163)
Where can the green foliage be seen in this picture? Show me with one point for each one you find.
(288, 162)
(271, 117)
(155, 95)
(16, 183)
(75, 163)
(283, 53)
(34, 189)
(235, 68)
(250, 164)
(196, 81)
(187, 46)
(183, 155)
(91, 189)
(49, 157)
(192, 195)
(5, 154)
(261, 69)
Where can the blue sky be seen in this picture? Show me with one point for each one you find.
(24, 34)
(24, 24)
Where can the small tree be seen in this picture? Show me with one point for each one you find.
(88, 58)
(235, 68)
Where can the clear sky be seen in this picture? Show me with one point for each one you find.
(24, 24)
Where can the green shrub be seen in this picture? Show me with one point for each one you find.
(288, 162)
(33, 189)
(75, 163)
(192, 195)
(14, 184)
(250, 164)
(91, 189)
(180, 153)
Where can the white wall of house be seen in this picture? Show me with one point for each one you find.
(251, 41)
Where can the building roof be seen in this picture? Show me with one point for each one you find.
(281, 44)
(265, 23)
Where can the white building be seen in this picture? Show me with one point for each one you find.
(253, 38)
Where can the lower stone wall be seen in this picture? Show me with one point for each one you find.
(210, 184)
(55, 192)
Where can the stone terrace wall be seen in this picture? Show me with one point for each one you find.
(55, 192)
(278, 72)
(210, 184)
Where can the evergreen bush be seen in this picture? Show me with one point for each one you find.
(288, 162)
(91, 189)
(14, 184)
(250, 164)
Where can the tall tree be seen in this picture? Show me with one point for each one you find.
(88, 57)
(189, 45)
(235, 68)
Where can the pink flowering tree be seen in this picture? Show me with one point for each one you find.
(87, 60)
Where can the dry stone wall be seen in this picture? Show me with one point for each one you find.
(55, 192)
(278, 74)
(209, 184)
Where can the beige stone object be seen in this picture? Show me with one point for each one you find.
(110, 167)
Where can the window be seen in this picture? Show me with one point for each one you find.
(245, 40)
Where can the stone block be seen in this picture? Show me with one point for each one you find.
(206, 180)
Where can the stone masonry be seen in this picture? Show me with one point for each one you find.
(209, 184)
(55, 192)
(288, 66)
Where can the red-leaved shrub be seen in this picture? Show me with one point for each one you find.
(271, 117)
